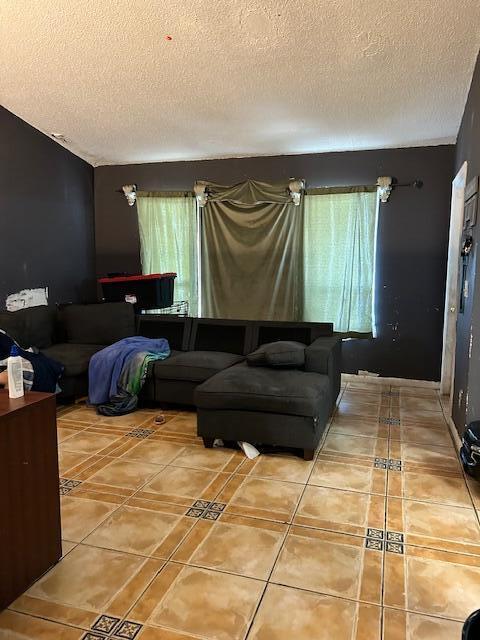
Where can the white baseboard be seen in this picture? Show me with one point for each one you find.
(394, 382)
(453, 431)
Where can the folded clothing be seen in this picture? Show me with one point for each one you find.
(40, 373)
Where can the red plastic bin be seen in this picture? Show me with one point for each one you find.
(152, 291)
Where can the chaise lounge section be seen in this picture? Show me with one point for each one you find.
(286, 407)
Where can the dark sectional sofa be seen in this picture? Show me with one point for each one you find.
(70, 335)
(207, 368)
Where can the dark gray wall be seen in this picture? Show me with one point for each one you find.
(46, 211)
(412, 237)
(467, 364)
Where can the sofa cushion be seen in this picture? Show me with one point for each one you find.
(31, 327)
(13, 323)
(286, 354)
(195, 366)
(98, 323)
(261, 389)
(74, 357)
(40, 326)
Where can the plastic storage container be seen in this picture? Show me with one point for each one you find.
(153, 291)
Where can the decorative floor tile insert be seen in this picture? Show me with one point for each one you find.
(111, 626)
(140, 433)
(67, 485)
(105, 624)
(393, 544)
(387, 463)
(380, 463)
(393, 536)
(394, 465)
(201, 504)
(205, 509)
(373, 543)
(375, 533)
(211, 515)
(128, 630)
(394, 547)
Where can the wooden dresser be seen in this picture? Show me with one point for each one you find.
(30, 536)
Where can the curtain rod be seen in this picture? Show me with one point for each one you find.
(416, 184)
(384, 184)
(165, 194)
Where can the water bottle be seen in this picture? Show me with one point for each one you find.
(15, 374)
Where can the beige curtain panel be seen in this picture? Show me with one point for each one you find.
(252, 245)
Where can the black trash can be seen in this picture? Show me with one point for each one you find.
(470, 451)
(471, 628)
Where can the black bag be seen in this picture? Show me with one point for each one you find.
(470, 450)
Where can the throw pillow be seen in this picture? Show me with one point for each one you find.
(284, 353)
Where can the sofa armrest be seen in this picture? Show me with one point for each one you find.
(324, 356)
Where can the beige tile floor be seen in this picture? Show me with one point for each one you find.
(377, 538)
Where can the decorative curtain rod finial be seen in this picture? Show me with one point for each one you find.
(130, 192)
(201, 193)
(384, 184)
(296, 187)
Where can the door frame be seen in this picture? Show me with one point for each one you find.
(451, 290)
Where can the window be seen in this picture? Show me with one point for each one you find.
(328, 246)
(339, 259)
(168, 240)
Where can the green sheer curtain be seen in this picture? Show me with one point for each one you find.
(339, 259)
(168, 241)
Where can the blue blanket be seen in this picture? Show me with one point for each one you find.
(106, 366)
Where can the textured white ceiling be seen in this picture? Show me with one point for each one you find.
(239, 77)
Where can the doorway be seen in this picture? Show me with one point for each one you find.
(451, 291)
